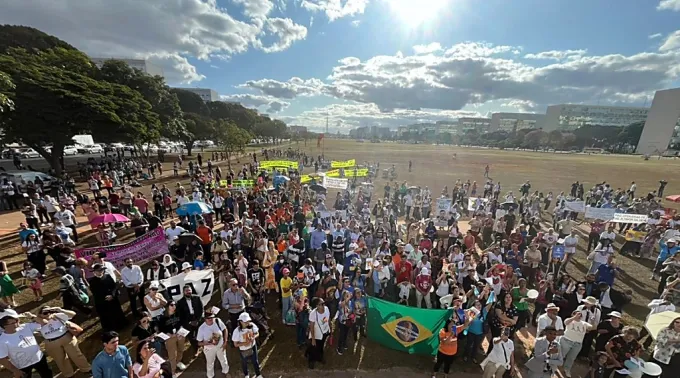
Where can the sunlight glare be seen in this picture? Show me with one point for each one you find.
(417, 12)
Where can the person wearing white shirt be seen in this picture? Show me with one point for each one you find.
(98, 258)
(155, 302)
(172, 231)
(218, 202)
(600, 255)
(20, 351)
(501, 358)
(550, 318)
(609, 234)
(245, 339)
(212, 336)
(592, 315)
(319, 329)
(574, 331)
(68, 219)
(181, 200)
(570, 244)
(60, 343)
(133, 278)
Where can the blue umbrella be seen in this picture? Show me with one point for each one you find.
(194, 208)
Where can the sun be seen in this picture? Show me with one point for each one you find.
(417, 12)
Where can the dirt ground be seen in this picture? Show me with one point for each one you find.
(433, 166)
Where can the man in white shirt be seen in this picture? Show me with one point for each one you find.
(133, 279)
(98, 258)
(69, 220)
(212, 336)
(574, 331)
(501, 358)
(173, 230)
(570, 244)
(20, 352)
(609, 234)
(550, 318)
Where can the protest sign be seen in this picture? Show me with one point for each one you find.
(475, 202)
(363, 172)
(558, 251)
(202, 283)
(443, 204)
(337, 214)
(243, 183)
(279, 163)
(343, 164)
(336, 183)
(332, 173)
(600, 213)
(630, 218)
(141, 250)
(635, 236)
(575, 206)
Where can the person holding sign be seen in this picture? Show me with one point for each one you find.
(245, 339)
(212, 335)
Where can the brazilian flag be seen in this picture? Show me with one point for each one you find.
(409, 329)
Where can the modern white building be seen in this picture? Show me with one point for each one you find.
(567, 117)
(482, 125)
(206, 94)
(512, 122)
(140, 64)
(662, 129)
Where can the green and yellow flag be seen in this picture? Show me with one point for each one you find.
(409, 329)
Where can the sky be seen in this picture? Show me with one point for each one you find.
(383, 62)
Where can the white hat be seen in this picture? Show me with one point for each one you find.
(425, 271)
(244, 317)
(9, 313)
(186, 265)
(672, 240)
(154, 285)
(615, 314)
(551, 306)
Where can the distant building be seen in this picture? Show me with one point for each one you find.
(297, 129)
(512, 122)
(567, 117)
(483, 125)
(206, 94)
(662, 128)
(140, 64)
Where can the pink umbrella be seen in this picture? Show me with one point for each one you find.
(108, 218)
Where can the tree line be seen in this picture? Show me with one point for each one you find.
(50, 91)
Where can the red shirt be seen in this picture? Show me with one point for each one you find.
(423, 283)
(404, 270)
(426, 243)
(596, 227)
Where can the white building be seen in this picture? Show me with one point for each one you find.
(570, 117)
(662, 129)
(140, 64)
(482, 125)
(512, 122)
(206, 94)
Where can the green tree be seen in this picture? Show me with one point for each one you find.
(534, 139)
(196, 116)
(49, 97)
(6, 86)
(31, 39)
(231, 138)
(163, 101)
(554, 139)
(631, 134)
(238, 114)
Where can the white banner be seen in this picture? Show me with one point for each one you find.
(337, 183)
(475, 202)
(202, 283)
(577, 206)
(336, 213)
(443, 204)
(629, 218)
(600, 213)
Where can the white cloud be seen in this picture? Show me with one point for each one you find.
(672, 42)
(672, 5)
(272, 104)
(557, 55)
(655, 36)
(175, 30)
(356, 23)
(427, 49)
(335, 9)
(473, 74)
(287, 31)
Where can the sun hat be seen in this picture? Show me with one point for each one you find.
(244, 317)
(552, 306)
(186, 265)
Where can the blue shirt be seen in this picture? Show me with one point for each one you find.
(665, 251)
(477, 324)
(112, 366)
(606, 273)
(318, 237)
(198, 265)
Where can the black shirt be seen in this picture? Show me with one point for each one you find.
(256, 277)
(603, 338)
(141, 333)
(169, 324)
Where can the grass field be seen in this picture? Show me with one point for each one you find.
(433, 166)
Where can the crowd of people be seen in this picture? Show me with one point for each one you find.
(281, 241)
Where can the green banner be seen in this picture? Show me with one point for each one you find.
(408, 329)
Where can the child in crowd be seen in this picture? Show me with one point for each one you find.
(33, 276)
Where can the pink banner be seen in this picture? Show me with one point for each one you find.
(145, 248)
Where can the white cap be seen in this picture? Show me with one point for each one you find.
(425, 271)
(244, 317)
(672, 240)
(615, 314)
(186, 265)
(9, 313)
(154, 285)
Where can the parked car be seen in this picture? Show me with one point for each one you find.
(28, 153)
(91, 149)
(16, 176)
(70, 150)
